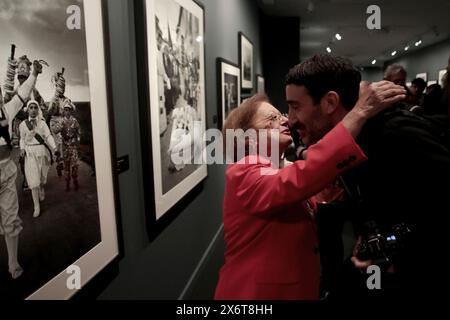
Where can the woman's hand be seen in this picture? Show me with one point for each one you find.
(373, 98)
(376, 97)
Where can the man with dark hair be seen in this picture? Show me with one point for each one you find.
(405, 182)
(418, 86)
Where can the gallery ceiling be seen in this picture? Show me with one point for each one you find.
(403, 23)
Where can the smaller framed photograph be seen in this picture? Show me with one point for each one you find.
(246, 61)
(429, 83)
(260, 84)
(422, 75)
(229, 84)
(441, 77)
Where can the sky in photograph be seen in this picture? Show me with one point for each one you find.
(38, 29)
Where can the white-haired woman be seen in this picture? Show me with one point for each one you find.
(36, 145)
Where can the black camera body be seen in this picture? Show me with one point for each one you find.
(382, 247)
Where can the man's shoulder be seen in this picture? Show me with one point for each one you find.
(400, 123)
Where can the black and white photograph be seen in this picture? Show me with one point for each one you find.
(230, 87)
(175, 42)
(423, 76)
(260, 84)
(54, 130)
(246, 61)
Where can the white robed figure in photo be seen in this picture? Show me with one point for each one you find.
(10, 222)
(186, 133)
(36, 144)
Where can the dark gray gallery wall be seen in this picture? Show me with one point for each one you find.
(281, 51)
(372, 74)
(429, 59)
(165, 268)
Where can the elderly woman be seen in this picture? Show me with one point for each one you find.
(270, 233)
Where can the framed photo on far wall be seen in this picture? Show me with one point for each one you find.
(246, 61)
(68, 234)
(441, 77)
(172, 93)
(422, 75)
(229, 88)
(260, 84)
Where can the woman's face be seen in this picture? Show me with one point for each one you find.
(268, 117)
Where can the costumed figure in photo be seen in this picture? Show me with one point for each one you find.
(10, 223)
(71, 137)
(22, 67)
(55, 119)
(37, 146)
(185, 130)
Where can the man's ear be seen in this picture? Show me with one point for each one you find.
(330, 102)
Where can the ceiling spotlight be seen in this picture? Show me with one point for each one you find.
(393, 53)
(418, 43)
(406, 48)
(328, 49)
(338, 36)
(374, 61)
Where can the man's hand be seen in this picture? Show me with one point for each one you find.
(37, 68)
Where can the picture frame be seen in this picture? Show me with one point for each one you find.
(229, 88)
(246, 59)
(260, 84)
(422, 75)
(441, 75)
(75, 237)
(172, 95)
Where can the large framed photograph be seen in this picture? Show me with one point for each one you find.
(172, 93)
(229, 88)
(58, 204)
(246, 61)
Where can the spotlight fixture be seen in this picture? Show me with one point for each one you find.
(328, 49)
(406, 48)
(393, 53)
(374, 61)
(338, 36)
(418, 43)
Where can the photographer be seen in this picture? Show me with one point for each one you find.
(405, 182)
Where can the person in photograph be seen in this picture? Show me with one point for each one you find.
(269, 228)
(400, 193)
(10, 223)
(71, 137)
(37, 147)
(55, 116)
(23, 69)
